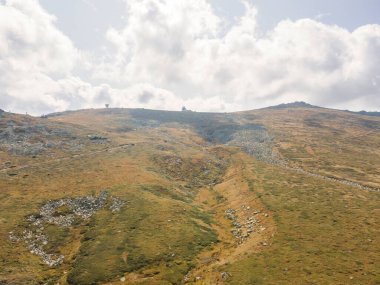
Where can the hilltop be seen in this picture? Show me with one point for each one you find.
(137, 196)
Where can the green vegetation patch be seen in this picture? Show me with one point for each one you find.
(149, 233)
(171, 193)
(195, 171)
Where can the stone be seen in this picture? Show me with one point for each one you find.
(33, 235)
(225, 275)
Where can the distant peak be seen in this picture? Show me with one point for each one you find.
(297, 104)
(365, 113)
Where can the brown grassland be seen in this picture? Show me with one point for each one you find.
(178, 177)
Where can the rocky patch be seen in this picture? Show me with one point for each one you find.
(29, 138)
(244, 224)
(256, 142)
(98, 139)
(61, 213)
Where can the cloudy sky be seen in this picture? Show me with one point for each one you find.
(207, 55)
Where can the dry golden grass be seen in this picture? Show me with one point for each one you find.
(174, 224)
(328, 142)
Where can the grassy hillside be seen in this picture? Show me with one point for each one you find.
(329, 142)
(274, 196)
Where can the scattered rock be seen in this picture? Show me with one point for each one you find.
(256, 142)
(28, 138)
(61, 213)
(116, 205)
(242, 229)
(225, 276)
(97, 138)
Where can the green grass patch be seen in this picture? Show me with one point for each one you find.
(148, 232)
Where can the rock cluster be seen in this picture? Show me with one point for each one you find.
(242, 228)
(256, 142)
(98, 139)
(83, 207)
(61, 213)
(225, 276)
(35, 240)
(116, 204)
(26, 138)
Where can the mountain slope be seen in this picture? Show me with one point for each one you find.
(134, 196)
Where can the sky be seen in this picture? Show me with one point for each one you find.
(207, 55)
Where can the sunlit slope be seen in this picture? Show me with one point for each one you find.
(329, 142)
(201, 198)
(326, 233)
(158, 227)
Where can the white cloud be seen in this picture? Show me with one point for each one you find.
(191, 55)
(29, 40)
(174, 53)
(33, 55)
